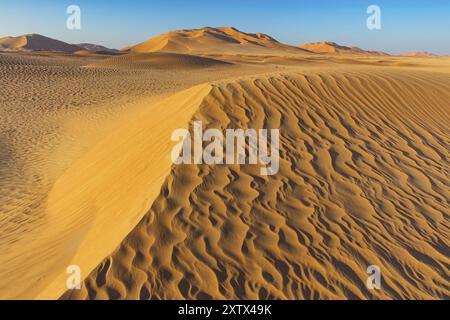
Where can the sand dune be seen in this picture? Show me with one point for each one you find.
(96, 48)
(334, 48)
(423, 54)
(207, 40)
(363, 181)
(106, 173)
(47, 125)
(36, 42)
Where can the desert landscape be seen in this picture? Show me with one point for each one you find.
(87, 177)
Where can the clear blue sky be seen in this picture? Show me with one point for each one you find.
(407, 25)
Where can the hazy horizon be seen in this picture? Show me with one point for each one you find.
(406, 25)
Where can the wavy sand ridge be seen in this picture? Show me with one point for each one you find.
(363, 181)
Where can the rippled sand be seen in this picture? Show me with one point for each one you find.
(86, 177)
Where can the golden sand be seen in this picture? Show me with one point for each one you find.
(87, 178)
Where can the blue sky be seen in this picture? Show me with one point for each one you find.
(407, 25)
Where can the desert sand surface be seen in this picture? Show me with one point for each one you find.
(87, 179)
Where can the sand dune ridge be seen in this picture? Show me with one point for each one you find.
(363, 181)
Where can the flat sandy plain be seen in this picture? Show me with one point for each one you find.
(86, 176)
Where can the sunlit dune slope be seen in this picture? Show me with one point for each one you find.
(95, 203)
(363, 181)
(103, 195)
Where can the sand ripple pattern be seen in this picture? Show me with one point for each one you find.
(363, 181)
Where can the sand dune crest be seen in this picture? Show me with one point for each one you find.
(356, 188)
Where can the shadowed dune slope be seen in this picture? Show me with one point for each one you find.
(363, 181)
(158, 60)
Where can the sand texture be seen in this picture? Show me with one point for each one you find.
(87, 179)
(356, 188)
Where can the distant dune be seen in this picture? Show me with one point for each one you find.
(223, 39)
(92, 53)
(332, 47)
(96, 48)
(420, 54)
(36, 42)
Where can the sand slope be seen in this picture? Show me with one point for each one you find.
(54, 111)
(84, 206)
(363, 181)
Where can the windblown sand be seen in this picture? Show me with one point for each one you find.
(86, 177)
